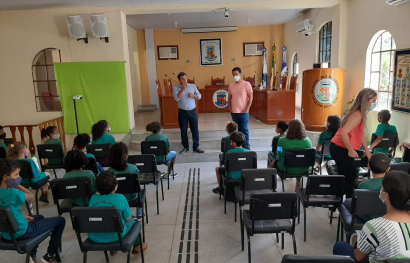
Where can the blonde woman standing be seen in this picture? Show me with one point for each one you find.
(350, 137)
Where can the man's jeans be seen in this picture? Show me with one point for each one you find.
(184, 118)
(242, 119)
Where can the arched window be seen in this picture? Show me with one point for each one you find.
(325, 43)
(44, 80)
(379, 68)
(295, 66)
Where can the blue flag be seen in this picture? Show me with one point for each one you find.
(264, 70)
(284, 71)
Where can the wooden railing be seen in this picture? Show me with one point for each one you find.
(59, 123)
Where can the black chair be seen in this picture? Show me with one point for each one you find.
(149, 173)
(159, 149)
(364, 202)
(390, 140)
(225, 146)
(405, 167)
(104, 220)
(321, 191)
(130, 184)
(254, 181)
(50, 151)
(91, 165)
(316, 259)
(325, 151)
(27, 173)
(270, 213)
(3, 153)
(297, 158)
(67, 189)
(274, 148)
(8, 224)
(236, 162)
(406, 155)
(100, 152)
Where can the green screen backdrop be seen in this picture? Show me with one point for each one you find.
(104, 89)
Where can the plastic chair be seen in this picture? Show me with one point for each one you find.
(325, 151)
(316, 259)
(103, 220)
(50, 151)
(91, 166)
(405, 167)
(225, 146)
(100, 152)
(274, 148)
(390, 140)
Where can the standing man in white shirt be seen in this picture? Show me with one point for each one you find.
(186, 94)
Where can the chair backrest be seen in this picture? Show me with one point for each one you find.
(405, 167)
(240, 160)
(146, 163)
(273, 206)
(96, 220)
(299, 158)
(367, 202)
(226, 144)
(25, 170)
(362, 160)
(50, 151)
(275, 145)
(285, 82)
(325, 185)
(293, 82)
(192, 81)
(406, 154)
(250, 80)
(128, 184)
(326, 147)
(100, 151)
(258, 179)
(316, 259)
(8, 223)
(91, 165)
(157, 148)
(389, 140)
(3, 153)
(68, 188)
(218, 81)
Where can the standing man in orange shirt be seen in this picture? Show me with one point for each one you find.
(240, 101)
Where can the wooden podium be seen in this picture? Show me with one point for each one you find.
(322, 95)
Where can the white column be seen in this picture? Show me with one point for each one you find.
(152, 68)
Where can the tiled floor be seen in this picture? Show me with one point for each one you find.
(219, 236)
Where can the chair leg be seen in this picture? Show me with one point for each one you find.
(143, 226)
(55, 174)
(283, 240)
(156, 193)
(342, 232)
(28, 257)
(128, 255)
(277, 237)
(294, 244)
(58, 249)
(85, 257)
(235, 210)
(142, 251)
(162, 190)
(146, 211)
(304, 223)
(106, 256)
(36, 197)
(338, 229)
(242, 232)
(168, 181)
(283, 185)
(249, 249)
(331, 215)
(299, 201)
(220, 193)
(225, 199)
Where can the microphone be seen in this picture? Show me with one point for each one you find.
(171, 79)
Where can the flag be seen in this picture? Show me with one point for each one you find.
(264, 70)
(284, 71)
(273, 66)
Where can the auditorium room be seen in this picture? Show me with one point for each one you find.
(177, 131)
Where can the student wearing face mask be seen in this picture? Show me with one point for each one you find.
(350, 137)
(52, 136)
(100, 134)
(383, 117)
(2, 137)
(13, 196)
(239, 102)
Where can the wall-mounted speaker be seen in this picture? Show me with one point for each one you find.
(99, 26)
(76, 27)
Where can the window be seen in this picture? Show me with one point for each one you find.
(325, 43)
(379, 68)
(296, 69)
(44, 80)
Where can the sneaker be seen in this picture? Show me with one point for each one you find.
(216, 190)
(137, 250)
(139, 215)
(165, 176)
(47, 258)
(30, 206)
(33, 259)
(173, 175)
(44, 198)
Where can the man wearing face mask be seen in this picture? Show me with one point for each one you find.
(239, 102)
(186, 94)
(2, 137)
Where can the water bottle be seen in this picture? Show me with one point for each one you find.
(34, 159)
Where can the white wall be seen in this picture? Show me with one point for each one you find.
(134, 66)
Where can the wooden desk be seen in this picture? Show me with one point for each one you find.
(169, 112)
(270, 107)
(206, 103)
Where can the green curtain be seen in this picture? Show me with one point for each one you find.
(104, 89)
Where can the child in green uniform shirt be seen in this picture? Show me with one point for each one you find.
(231, 127)
(52, 135)
(106, 187)
(80, 143)
(118, 157)
(19, 151)
(383, 117)
(13, 195)
(281, 129)
(100, 134)
(155, 128)
(75, 162)
(238, 140)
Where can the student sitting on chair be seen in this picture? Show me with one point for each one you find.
(2, 137)
(106, 187)
(100, 134)
(281, 129)
(238, 140)
(155, 128)
(75, 162)
(332, 126)
(383, 117)
(295, 139)
(385, 237)
(118, 156)
(231, 127)
(52, 135)
(80, 143)
(19, 151)
(13, 195)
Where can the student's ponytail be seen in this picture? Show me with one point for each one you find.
(14, 150)
(47, 132)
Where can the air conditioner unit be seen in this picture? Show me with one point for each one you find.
(209, 29)
(168, 52)
(253, 49)
(305, 26)
(396, 2)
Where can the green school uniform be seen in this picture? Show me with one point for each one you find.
(323, 137)
(381, 129)
(287, 144)
(55, 161)
(79, 174)
(105, 139)
(3, 145)
(236, 174)
(13, 199)
(159, 137)
(131, 169)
